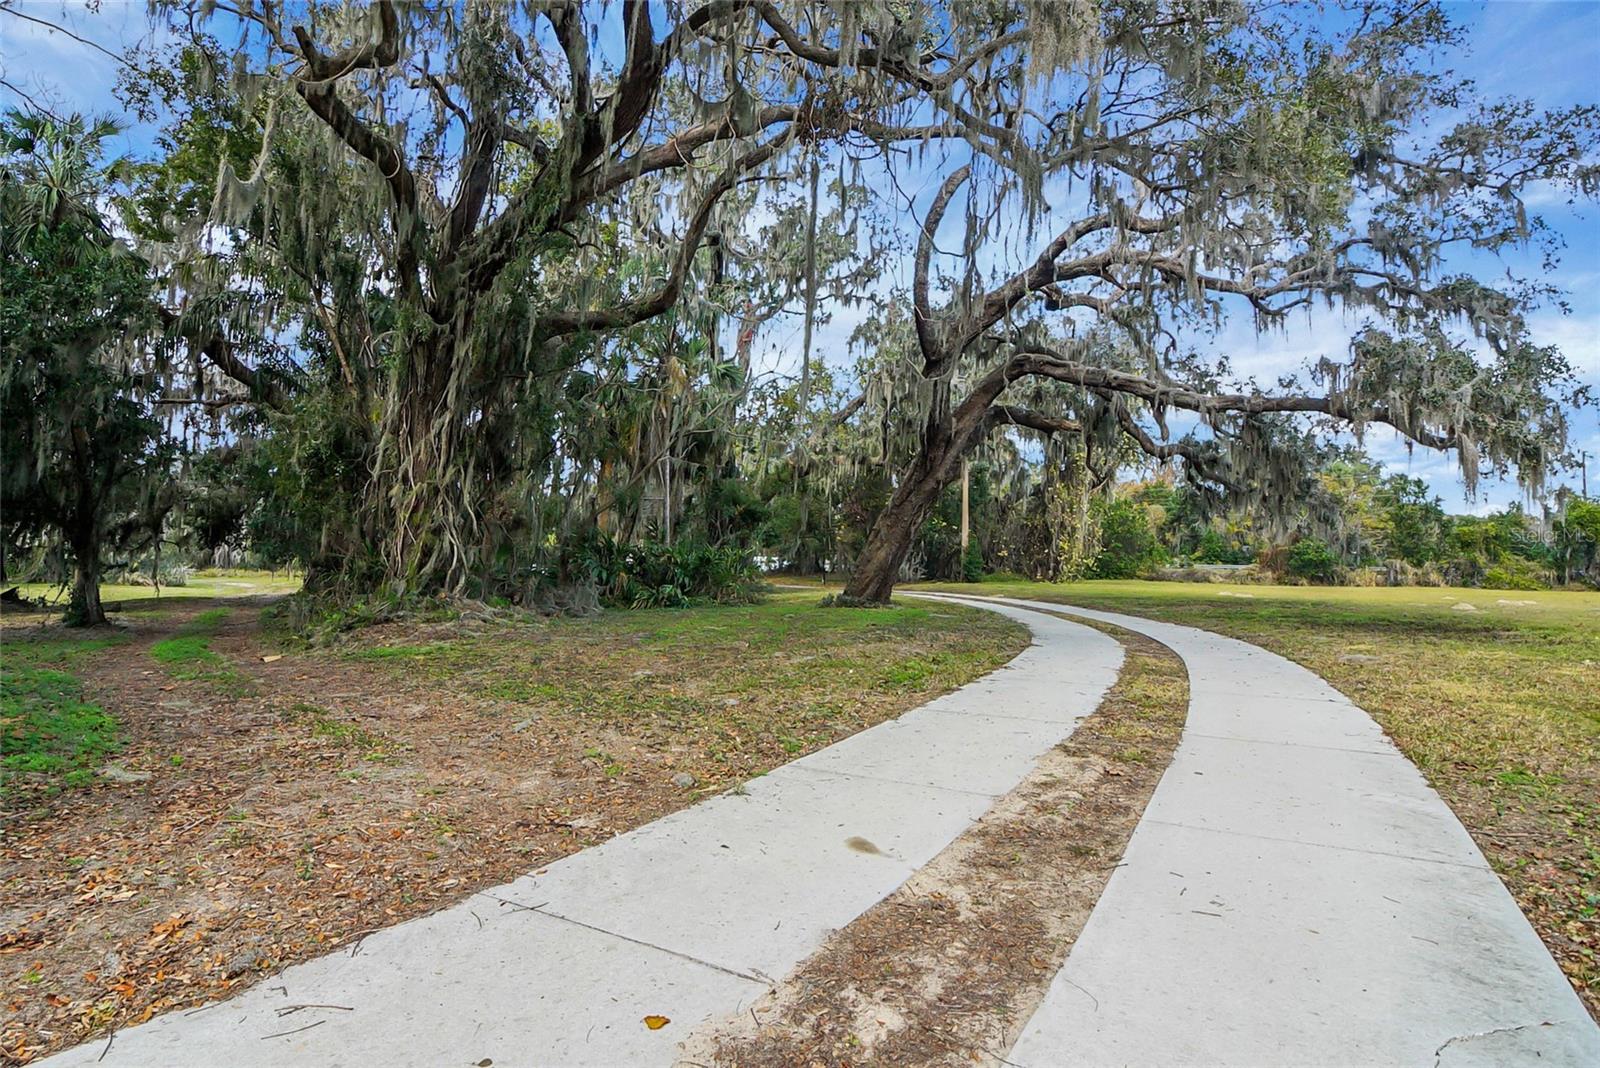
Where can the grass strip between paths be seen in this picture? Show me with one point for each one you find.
(948, 969)
(1492, 695)
(188, 655)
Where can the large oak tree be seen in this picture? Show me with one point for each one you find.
(455, 202)
(1197, 161)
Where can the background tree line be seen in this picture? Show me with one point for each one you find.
(1392, 531)
(461, 299)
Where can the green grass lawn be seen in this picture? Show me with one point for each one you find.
(742, 686)
(231, 583)
(1495, 695)
(46, 726)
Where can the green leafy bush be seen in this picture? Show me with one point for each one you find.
(972, 563)
(1513, 573)
(1312, 560)
(1128, 543)
(655, 574)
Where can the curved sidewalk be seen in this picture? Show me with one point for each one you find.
(689, 917)
(1296, 894)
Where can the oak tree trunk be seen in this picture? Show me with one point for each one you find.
(84, 608)
(418, 511)
(946, 440)
(878, 568)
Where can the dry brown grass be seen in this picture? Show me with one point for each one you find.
(292, 806)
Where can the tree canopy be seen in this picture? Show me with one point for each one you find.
(84, 453)
(461, 298)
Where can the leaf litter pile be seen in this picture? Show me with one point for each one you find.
(948, 969)
(266, 803)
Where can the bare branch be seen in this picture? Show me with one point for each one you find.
(1045, 362)
(1012, 415)
(935, 356)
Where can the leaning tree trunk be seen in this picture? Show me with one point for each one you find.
(878, 567)
(84, 608)
(946, 439)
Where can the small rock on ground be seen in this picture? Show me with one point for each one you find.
(683, 779)
(118, 773)
(242, 963)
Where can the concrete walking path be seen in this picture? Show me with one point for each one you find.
(690, 917)
(1296, 894)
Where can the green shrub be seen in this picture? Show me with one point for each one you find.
(655, 574)
(1128, 544)
(999, 577)
(1312, 560)
(1215, 548)
(972, 563)
(1514, 573)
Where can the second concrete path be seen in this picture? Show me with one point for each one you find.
(1297, 894)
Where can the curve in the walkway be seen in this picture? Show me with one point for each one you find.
(689, 917)
(1297, 894)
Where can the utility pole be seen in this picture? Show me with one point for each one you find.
(666, 493)
(805, 345)
(966, 523)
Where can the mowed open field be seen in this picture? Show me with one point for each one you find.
(1494, 694)
(199, 584)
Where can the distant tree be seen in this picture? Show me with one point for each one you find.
(1414, 525)
(1347, 490)
(1501, 549)
(1207, 159)
(1577, 540)
(85, 458)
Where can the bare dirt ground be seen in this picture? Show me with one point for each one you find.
(947, 970)
(270, 811)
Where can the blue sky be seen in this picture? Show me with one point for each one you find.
(1547, 51)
